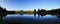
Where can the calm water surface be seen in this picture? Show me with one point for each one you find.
(31, 19)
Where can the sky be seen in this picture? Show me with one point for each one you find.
(30, 4)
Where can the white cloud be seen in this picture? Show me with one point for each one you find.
(2, 3)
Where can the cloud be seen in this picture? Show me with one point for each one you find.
(2, 3)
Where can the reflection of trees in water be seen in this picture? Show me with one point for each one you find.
(1, 18)
(21, 14)
(57, 15)
(3, 15)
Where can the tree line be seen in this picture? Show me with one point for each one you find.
(42, 11)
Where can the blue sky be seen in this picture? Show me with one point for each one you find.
(30, 4)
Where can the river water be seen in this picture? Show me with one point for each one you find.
(31, 19)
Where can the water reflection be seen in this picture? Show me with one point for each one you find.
(26, 19)
(1, 18)
(58, 15)
(41, 20)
